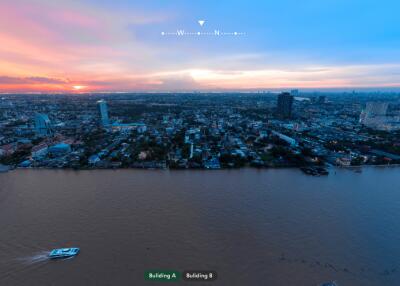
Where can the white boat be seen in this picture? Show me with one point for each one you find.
(63, 252)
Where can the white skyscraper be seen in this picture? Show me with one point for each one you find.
(103, 112)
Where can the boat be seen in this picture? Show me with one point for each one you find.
(322, 171)
(63, 252)
(309, 171)
(315, 171)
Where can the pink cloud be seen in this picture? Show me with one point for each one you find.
(30, 80)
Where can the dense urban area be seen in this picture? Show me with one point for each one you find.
(309, 130)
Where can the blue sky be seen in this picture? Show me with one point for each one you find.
(117, 45)
(332, 30)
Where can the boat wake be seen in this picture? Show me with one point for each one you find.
(35, 258)
(14, 267)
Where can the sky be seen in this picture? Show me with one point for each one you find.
(119, 46)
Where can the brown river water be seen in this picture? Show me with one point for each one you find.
(253, 227)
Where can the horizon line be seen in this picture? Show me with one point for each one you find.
(255, 91)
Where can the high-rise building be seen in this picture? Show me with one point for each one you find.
(42, 125)
(285, 103)
(374, 113)
(294, 92)
(322, 99)
(376, 108)
(103, 112)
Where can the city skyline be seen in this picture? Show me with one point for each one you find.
(101, 46)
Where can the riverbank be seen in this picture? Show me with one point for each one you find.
(320, 170)
(309, 170)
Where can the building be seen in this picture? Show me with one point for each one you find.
(59, 149)
(7, 150)
(42, 125)
(105, 121)
(128, 127)
(374, 114)
(39, 151)
(343, 161)
(285, 103)
(213, 163)
(285, 138)
(93, 159)
(373, 109)
(322, 99)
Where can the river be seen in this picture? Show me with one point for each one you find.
(253, 227)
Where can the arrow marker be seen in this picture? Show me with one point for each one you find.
(201, 22)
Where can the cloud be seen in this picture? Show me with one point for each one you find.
(70, 38)
(49, 45)
(351, 76)
(7, 80)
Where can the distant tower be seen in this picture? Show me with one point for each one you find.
(294, 92)
(285, 102)
(42, 125)
(322, 99)
(191, 151)
(103, 112)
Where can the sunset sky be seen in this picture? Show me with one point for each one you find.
(105, 45)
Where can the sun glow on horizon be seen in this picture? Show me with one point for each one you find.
(79, 87)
